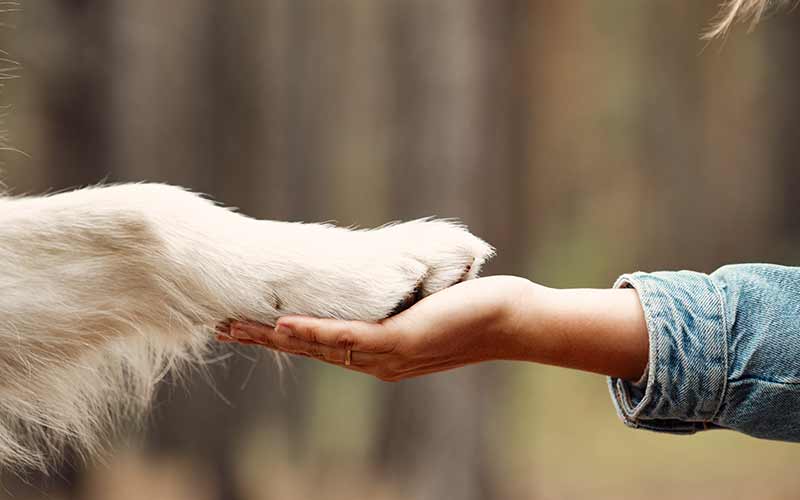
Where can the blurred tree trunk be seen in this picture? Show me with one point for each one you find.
(76, 93)
(674, 160)
(735, 194)
(167, 131)
(454, 90)
(784, 81)
(162, 73)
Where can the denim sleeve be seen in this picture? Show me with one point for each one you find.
(724, 352)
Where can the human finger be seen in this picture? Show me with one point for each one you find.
(295, 345)
(354, 335)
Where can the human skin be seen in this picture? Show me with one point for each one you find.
(487, 319)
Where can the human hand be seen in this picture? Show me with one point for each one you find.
(501, 317)
(464, 324)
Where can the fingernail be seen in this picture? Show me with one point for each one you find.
(283, 330)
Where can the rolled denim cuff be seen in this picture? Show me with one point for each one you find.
(685, 382)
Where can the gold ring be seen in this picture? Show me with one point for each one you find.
(348, 357)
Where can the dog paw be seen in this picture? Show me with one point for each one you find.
(444, 254)
(371, 275)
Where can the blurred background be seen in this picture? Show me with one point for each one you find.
(583, 138)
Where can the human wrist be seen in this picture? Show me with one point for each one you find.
(523, 316)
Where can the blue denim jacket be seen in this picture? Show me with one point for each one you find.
(724, 352)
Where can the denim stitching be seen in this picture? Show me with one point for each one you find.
(725, 346)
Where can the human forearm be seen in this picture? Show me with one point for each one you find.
(602, 331)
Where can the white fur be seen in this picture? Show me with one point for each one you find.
(103, 290)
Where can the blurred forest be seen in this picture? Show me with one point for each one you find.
(583, 138)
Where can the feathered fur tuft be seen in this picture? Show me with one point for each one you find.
(748, 11)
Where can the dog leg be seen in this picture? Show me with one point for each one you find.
(103, 290)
